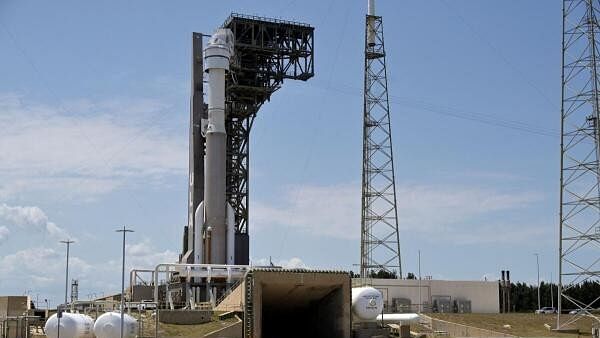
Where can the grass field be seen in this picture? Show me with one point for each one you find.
(522, 324)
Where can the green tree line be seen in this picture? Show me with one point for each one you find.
(524, 297)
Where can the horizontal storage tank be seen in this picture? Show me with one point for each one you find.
(72, 325)
(367, 303)
(108, 325)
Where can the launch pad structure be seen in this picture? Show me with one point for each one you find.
(267, 51)
(264, 53)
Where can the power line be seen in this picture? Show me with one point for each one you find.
(479, 117)
(498, 53)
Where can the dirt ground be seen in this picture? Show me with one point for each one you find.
(522, 324)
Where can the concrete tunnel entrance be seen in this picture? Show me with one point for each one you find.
(299, 303)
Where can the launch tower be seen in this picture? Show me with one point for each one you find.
(242, 65)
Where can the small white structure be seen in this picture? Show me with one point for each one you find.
(72, 325)
(108, 325)
(413, 295)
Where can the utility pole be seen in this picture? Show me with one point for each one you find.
(420, 299)
(551, 291)
(380, 241)
(124, 231)
(537, 259)
(58, 311)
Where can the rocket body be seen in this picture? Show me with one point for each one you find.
(216, 61)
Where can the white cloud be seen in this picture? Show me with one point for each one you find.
(292, 263)
(43, 268)
(84, 148)
(452, 211)
(42, 265)
(144, 255)
(56, 231)
(321, 210)
(459, 210)
(23, 216)
(30, 218)
(4, 232)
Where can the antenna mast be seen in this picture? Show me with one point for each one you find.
(380, 241)
(579, 229)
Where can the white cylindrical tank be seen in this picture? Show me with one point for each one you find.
(367, 303)
(72, 325)
(108, 325)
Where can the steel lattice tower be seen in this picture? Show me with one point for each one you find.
(380, 241)
(579, 231)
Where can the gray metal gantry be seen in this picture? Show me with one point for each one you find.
(579, 229)
(267, 51)
(380, 241)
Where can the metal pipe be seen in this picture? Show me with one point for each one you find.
(230, 235)
(208, 256)
(198, 270)
(420, 298)
(403, 318)
(537, 259)
(198, 229)
(551, 291)
(58, 315)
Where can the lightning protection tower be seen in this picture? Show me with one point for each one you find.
(579, 230)
(380, 242)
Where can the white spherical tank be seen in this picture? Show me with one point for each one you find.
(109, 326)
(72, 325)
(367, 303)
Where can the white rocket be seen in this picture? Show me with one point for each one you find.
(214, 217)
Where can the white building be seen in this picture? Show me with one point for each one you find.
(402, 295)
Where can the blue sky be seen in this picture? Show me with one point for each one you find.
(94, 109)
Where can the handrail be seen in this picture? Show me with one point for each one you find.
(228, 292)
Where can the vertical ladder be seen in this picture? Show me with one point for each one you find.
(248, 309)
